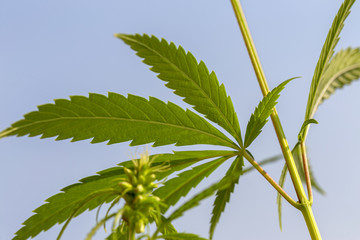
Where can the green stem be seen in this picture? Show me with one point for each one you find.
(131, 231)
(265, 90)
(271, 180)
(307, 212)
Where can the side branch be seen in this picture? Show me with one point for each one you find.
(271, 180)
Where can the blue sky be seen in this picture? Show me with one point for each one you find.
(55, 49)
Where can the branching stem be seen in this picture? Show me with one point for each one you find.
(265, 90)
(294, 174)
(271, 180)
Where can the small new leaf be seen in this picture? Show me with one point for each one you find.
(304, 127)
(262, 112)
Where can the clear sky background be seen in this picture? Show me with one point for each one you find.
(55, 49)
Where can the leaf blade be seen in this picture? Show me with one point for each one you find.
(343, 69)
(188, 78)
(118, 119)
(223, 196)
(262, 112)
(327, 52)
(179, 186)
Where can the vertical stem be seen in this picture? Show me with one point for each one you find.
(131, 231)
(306, 206)
(310, 221)
(265, 90)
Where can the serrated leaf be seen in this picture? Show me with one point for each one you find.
(262, 112)
(194, 201)
(180, 160)
(180, 236)
(326, 54)
(343, 69)
(188, 78)
(179, 186)
(62, 205)
(118, 119)
(223, 196)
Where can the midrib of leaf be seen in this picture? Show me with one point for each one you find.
(324, 90)
(6, 132)
(234, 134)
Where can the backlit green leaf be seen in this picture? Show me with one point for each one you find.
(223, 196)
(342, 70)
(262, 112)
(325, 56)
(194, 201)
(180, 160)
(62, 205)
(179, 186)
(118, 119)
(188, 78)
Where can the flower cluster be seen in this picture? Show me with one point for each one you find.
(141, 207)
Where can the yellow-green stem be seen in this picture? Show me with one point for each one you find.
(307, 212)
(131, 231)
(271, 180)
(265, 90)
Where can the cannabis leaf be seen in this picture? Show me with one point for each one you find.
(188, 78)
(343, 69)
(118, 119)
(262, 112)
(325, 56)
(179, 186)
(223, 196)
(62, 205)
(180, 160)
(194, 201)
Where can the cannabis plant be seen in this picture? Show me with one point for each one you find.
(143, 192)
